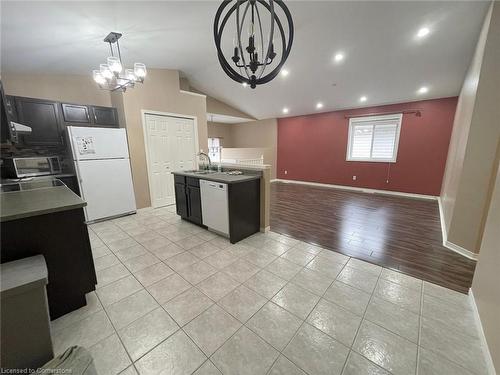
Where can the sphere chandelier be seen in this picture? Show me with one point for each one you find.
(268, 44)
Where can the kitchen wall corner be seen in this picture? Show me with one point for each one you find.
(160, 92)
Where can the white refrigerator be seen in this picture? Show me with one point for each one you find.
(102, 166)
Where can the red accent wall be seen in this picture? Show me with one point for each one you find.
(313, 148)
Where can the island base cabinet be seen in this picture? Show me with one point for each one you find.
(243, 200)
(194, 204)
(181, 200)
(188, 199)
(244, 209)
(62, 238)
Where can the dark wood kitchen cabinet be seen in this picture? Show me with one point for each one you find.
(75, 114)
(104, 116)
(181, 199)
(194, 200)
(89, 115)
(43, 117)
(188, 199)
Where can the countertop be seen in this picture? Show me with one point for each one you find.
(22, 275)
(220, 177)
(26, 203)
(7, 181)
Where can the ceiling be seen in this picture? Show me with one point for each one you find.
(383, 59)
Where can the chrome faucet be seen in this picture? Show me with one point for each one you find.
(206, 157)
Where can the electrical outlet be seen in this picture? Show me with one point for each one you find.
(354, 178)
(286, 172)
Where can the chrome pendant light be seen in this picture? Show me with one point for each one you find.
(258, 56)
(112, 76)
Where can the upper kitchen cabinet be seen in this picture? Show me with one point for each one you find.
(75, 114)
(42, 116)
(88, 115)
(105, 116)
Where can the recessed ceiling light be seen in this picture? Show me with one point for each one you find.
(285, 110)
(363, 99)
(424, 31)
(423, 90)
(319, 105)
(338, 57)
(284, 72)
(244, 84)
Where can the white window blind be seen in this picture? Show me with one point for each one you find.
(374, 138)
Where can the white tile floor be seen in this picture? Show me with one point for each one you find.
(174, 298)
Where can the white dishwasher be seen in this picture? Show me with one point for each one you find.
(214, 206)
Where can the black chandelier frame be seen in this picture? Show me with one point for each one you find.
(251, 67)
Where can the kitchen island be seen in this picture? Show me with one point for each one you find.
(46, 217)
(225, 203)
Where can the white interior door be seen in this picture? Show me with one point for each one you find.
(170, 146)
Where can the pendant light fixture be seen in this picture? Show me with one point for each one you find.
(112, 76)
(262, 34)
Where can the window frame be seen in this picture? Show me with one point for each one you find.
(219, 148)
(369, 120)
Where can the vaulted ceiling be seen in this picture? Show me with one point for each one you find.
(383, 58)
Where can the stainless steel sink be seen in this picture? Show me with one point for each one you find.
(201, 172)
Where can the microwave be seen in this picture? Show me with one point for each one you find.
(31, 166)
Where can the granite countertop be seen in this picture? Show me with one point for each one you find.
(39, 201)
(220, 176)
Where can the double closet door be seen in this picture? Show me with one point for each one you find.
(171, 146)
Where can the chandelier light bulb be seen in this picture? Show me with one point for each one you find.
(98, 77)
(140, 70)
(130, 75)
(105, 71)
(115, 64)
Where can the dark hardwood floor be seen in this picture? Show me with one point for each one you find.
(395, 232)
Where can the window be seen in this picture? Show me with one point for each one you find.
(214, 148)
(374, 138)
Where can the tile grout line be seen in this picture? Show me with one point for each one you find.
(360, 324)
(305, 321)
(270, 300)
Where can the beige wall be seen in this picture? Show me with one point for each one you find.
(218, 130)
(253, 134)
(469, 167)
(260, 134)
(221, 108)
(486, 279)
(78, 89)
(160, 92)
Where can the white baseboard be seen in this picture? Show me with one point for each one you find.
(490, 367)
(275, 180)
(360, 189)
(450, 245)
(460, 250)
